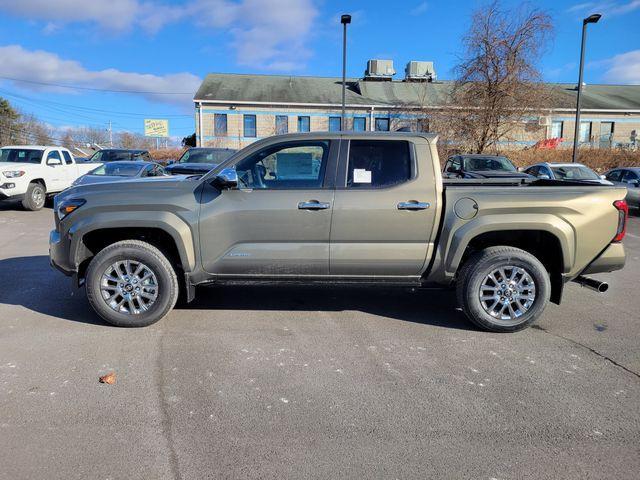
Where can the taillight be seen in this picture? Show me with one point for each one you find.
(623, 213)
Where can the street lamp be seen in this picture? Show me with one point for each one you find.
(344, 20)
(590, 19)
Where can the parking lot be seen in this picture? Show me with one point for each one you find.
(271, 382)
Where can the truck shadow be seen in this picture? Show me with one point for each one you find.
(31, 283)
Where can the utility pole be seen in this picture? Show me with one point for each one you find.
(344, 20)
(110, 135)
(590, 19)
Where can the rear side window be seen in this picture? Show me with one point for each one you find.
(615, 175)
(67, 157)
(378, 163)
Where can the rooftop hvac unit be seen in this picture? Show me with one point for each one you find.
(420, 71)
(380, 69)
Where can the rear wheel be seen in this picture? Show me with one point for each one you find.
(503, 289)
(131, 284)
(35, 197)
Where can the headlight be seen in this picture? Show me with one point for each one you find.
(65, 207)
(13, 173)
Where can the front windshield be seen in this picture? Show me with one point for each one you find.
(213, 156)
(128, 169)
(112, 155)
(20, 155)
(481, 164)
(574, 172)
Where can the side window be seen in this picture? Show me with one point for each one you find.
(535, 171)
(378, 163)
(615, 176)
(629, 176)
(67, 157)
(147, 172)
(455, 165)
(54, 158)
(285, 166)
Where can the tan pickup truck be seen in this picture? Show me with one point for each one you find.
(339, 208)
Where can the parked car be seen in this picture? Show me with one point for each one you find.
(32, 172)
(199, 160)
(117, 171)
(627, 177)
(120, 154)
(575, 172)
(481, 166)
(372, 202)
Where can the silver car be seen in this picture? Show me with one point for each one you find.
(627, 177)
(574, 172)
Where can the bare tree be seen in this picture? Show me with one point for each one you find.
(498, 86)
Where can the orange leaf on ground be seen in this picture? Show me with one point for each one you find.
(109, 378)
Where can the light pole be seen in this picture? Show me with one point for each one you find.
(590, 19)
(344, 20)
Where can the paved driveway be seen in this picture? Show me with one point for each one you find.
(311, 383)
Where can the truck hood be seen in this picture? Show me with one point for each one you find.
(190, 168)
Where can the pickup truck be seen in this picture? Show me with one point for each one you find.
(31, 173)
(340, 208)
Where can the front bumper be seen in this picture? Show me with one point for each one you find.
(58, 246)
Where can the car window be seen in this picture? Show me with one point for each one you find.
(67, 157)
(54, 157)
(481, 164)
(456, 164)
(285, 166)
(615, 175)
(20, 155)
(378, 163)
(577, 172)
(629, 176)
(535, 171)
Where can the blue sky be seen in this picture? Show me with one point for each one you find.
(166, 47)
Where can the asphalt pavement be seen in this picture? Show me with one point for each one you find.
(270, 382)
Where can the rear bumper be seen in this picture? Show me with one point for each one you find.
(611, 259)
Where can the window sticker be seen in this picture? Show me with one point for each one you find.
(360, 175)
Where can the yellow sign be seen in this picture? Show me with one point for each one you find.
(156, 128)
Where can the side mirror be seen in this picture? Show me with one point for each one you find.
(603, 177)
(54, 161)
(227, 179)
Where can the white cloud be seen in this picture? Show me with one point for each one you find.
(624, 68)
(606, 8)
(420, 8)
(266, 34)
(46, 67)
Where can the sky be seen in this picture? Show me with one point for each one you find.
(133, 59)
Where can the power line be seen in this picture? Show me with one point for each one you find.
(75, 87)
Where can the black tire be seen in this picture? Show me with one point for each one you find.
(476, 270)
(35, 197)
(136, 251)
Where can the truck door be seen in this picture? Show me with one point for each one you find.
(56, 176)
(70, 168)
(277, 222)
(384, 209)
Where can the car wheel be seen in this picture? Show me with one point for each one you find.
(503, 289)
(35, 197)
(131, 284)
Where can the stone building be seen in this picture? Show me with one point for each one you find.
(233, 110)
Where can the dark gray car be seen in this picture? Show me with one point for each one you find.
(117, 171)
(199, 160)
(481, 166)
(627, 177)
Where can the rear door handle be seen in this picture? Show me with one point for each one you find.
(313, 205)
(413, 205)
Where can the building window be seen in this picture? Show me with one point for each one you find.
(282, 124)
(304, 124)
(585, 132)
(220, 124)
(249, 125)
(556, 128)
(334, 124)
(382, 124)
(359, 124)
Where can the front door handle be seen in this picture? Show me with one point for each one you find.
(413, 205)
(313, 205)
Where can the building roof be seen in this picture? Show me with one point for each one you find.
(327, 91)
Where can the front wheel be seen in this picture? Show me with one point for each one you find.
(503, 289)
(131, 284)
(35, 197)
